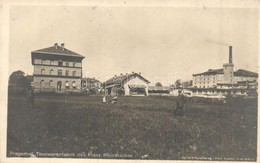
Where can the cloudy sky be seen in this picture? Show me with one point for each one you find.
(163, 43)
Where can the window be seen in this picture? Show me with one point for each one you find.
(74, 85)
(59, 72)
(74, 73)
(51, 83)
(67, 73)
(67, 84)
(67, 63)
(42, 71)
(42, 83)
(51, 72)
(60, 63)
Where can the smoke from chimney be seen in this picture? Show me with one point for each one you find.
(216, 42)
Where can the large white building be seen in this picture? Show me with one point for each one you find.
(56, 69)
(225, 80)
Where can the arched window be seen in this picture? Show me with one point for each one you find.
(51, 72)
(59, 72)
(67, 73)
(59, 63)
(74, 73)
(50, 83)
(42, 71)
(67, 84)
(74, 85)
(42, 83)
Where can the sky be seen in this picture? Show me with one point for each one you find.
(163, 43)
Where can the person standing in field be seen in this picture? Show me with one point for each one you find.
(30, 97)
(180, 102)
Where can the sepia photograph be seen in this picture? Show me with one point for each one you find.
(132, 82)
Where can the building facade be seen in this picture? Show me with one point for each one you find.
(56, 69)
(128, 85)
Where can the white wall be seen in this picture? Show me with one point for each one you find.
(135, 81)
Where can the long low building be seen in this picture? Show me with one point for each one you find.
(133, 84)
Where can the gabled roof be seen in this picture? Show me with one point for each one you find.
(124, 78)
(211, 72)
(241, 72)
(57, 51)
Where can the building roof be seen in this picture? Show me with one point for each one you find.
(124, 78)
(211, 72)
(57, 50)
(241, 72)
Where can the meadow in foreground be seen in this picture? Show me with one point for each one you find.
(140, 127)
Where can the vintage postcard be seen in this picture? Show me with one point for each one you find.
(129, 81)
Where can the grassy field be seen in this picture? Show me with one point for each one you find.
(134, 128)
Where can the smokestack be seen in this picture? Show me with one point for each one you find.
(62, 46)
(230, 54)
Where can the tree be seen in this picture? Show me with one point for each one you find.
(187, 83)
(178, 83)
(18, 80)
(158, 84)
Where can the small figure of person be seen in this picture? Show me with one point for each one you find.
(104, 99)
(114, 100)
(30, 97)
(180, 102)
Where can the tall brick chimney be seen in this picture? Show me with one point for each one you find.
(230, 54)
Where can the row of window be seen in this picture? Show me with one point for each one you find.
(50, 84)
(204, 78)
(67, 73)
(204, 82)
(60, 63)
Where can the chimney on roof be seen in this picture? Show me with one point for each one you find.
(133, 72)
(140, 73)
(121, 74)
(115, 75)
(56, 45)
(230, 54)
(62, 46)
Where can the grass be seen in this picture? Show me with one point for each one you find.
(141, 127)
